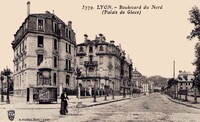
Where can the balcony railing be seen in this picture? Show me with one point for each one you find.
(69, 69)
(81, 53)
(90, 63)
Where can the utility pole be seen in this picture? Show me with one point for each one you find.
(174, 69)
(174, 85)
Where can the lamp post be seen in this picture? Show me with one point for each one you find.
(131, 89)
(78, 73)
(7, 73)
(196, 77)
(105, 87)
(195, 92)
(2, 78)
(113, 97)
(95, 90)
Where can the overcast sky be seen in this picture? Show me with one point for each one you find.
(153, 39)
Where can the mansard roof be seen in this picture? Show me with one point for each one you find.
(94, 42)
(47, 14)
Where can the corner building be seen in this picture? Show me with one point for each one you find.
(43, 36)
(100, 64)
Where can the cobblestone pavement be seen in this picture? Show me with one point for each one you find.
(152, 108)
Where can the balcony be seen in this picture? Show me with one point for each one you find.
(80, 53)
(69, 69)
(90, 63)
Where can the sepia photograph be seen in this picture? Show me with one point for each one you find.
(99, 61)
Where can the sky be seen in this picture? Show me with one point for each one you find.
(153, 39)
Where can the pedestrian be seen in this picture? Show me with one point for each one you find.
(64, 103)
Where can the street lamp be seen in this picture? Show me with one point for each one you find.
(196, 77)
(95, 90)
(2, 78)
(195, 92)
(78, 73)
(113, 90)
(7, 73)
(105, 87)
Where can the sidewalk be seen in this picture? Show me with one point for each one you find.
(189, 103)
(20, 103)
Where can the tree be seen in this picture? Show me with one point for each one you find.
(195, 19)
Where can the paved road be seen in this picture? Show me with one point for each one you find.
(152, 108)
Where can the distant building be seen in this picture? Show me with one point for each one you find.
(136, 78)
(104, 64)
(185, 80)
(43, 36)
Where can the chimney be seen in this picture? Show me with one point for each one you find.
(112, 42)
(70, 24)
(101, 37)
(86, 37)
(28, 8)
(47, 12)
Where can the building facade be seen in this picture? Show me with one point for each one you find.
(185, 82)
(101, 65)
(43, 36)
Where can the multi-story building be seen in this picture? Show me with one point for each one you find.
(185, 81)
(136, 78)
(43, 36)
(100, 64)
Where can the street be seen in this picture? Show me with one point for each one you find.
(151, 108)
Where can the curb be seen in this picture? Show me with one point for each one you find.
(85, 106)
(182, 103)
(95, 104)
(105, 102)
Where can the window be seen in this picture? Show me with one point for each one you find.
(23, 46)
(26, 25)
(40, 24)
(68, 64)
(54, 78)
(66, 32)
(81, 49)
(69, 49)
(40, 41)
(101, 48)
(67, 80)
(60, 29)
(55, 28)
(69, 34)
(90, 59)
(22, 63)
(55, 44)
(101, 60)
(55, 61)
(81, 61)
(90, 49)
(17, 66)
(39, 59)
(91, 69)
(66, 47)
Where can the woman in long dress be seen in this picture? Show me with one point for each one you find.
(63, 107)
